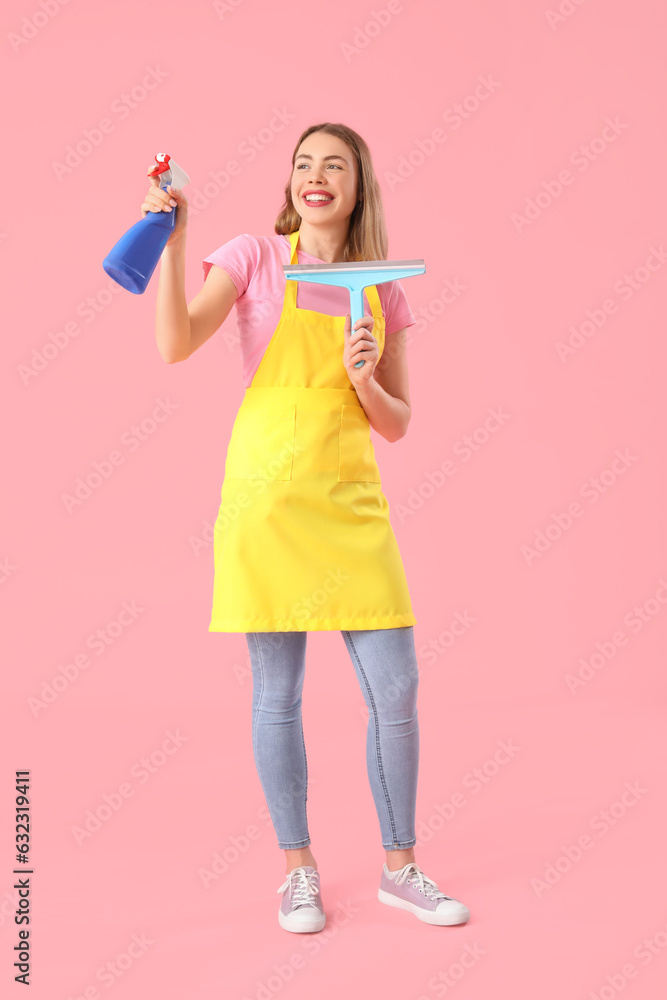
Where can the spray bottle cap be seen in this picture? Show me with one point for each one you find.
(169, 171)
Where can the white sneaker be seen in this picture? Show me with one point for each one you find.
(301, 906)
(410, 889)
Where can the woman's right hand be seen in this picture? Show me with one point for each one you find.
(158, 200)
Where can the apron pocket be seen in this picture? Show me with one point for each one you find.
(261, 445)
(356, 455)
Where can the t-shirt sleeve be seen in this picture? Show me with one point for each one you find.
(239, 257)
(398, 313)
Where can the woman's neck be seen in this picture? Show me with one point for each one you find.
(325, 244)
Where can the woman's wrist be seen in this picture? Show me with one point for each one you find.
(176, 246)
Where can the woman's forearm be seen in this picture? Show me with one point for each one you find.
(172, 321)
(386, 414)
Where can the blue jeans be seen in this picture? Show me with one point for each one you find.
(386, 666)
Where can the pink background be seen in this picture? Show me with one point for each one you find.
(549, 920)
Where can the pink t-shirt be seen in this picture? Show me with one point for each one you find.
(255, 265)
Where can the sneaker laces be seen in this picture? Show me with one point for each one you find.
(413, 875)
(302, 885)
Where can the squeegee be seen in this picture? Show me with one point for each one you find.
(355, 276)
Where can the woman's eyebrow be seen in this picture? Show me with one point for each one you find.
(307, 156)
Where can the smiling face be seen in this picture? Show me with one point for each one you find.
(324, 164)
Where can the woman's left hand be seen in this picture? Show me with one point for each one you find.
(360, 345)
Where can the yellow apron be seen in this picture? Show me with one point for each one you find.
(302, 539)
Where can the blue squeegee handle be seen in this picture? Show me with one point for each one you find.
(356, 312)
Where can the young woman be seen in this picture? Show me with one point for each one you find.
(303, 539)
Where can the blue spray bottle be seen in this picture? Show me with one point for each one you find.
(134, 258)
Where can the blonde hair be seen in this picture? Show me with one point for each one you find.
(367, 233)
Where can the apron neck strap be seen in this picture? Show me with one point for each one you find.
(294, 239)
(290, 291)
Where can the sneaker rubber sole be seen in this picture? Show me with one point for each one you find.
(302, 922)
(458, 915)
